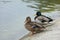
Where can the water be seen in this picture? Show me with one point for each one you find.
(12, 17)
(44, 5)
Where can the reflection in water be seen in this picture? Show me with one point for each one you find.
(44, 5)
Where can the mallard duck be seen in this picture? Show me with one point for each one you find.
(42, 18)
(34, 27)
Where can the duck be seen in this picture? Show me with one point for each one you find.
(42, 18)
(33, 27)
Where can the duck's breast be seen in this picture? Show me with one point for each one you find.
(28, 27)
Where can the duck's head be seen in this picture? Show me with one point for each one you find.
(38, 13)
(28, 19)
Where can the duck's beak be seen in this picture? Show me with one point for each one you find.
(25, 21)
(35, 15)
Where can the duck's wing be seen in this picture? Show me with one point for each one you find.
(43, 18)
(38, 24)
(50, 19)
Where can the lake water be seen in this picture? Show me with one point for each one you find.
(12, 16)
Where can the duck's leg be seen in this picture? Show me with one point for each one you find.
(32, 33)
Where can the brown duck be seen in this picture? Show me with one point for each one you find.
(34, 27)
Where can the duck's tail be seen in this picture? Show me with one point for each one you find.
(50, 20)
